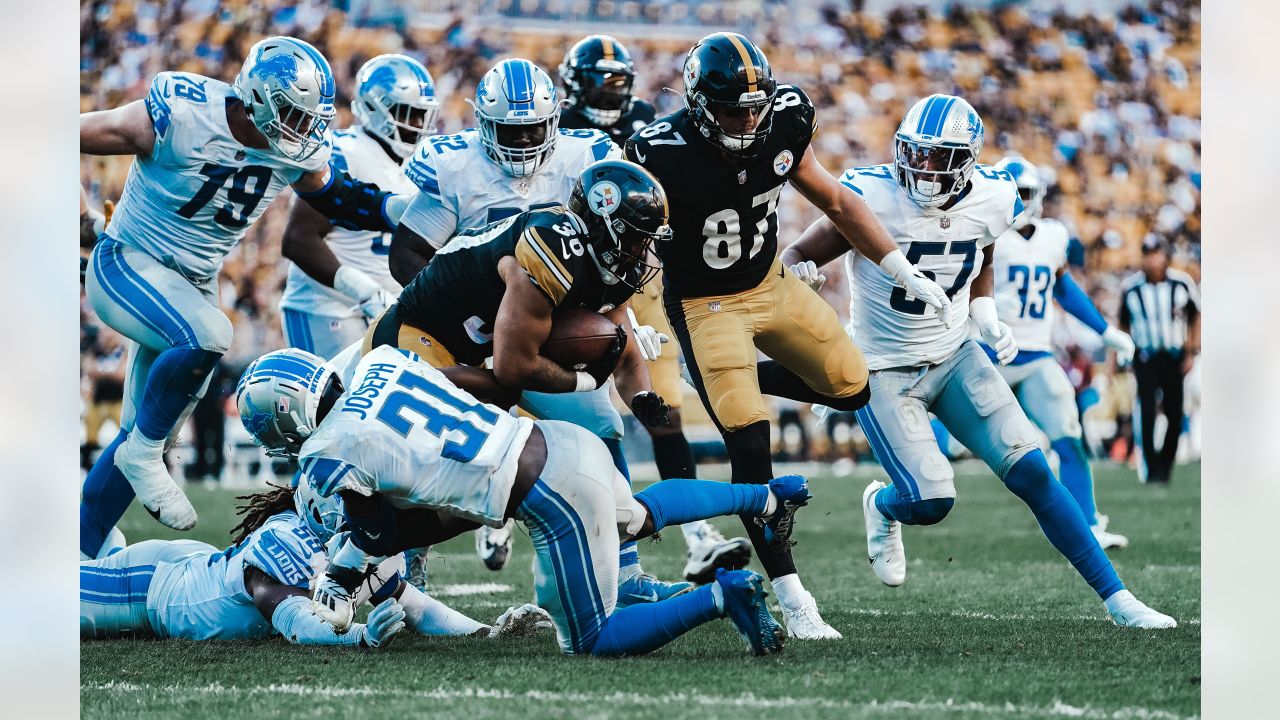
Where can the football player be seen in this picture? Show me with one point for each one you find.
(259, 586)
(1030, 273)
(338, 279)
(723, 160)
(517, 159)
(491, 292)
(405, 439)
(946, 212)
(598, 76)
(209, 158)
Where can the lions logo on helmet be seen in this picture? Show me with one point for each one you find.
(288, 89)
(396, 101)
(936, 148)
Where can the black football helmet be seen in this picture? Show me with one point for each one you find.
(625, 210)
(729, 90)
(598, 77)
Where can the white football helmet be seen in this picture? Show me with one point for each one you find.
(281, 397)
(936, 148)
(287, 87)
(396, 101)
(518, 112)
(323, 515)
(1031, 188)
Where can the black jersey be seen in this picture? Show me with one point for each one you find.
(455, 298)
(640, 115)
(724, 217)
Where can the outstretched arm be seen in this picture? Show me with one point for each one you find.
(289, 611)
(125, 130)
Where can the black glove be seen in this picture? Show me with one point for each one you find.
(650, 409)
(601, 369)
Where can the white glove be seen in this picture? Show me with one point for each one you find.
(520, 621)
(807, 273)
(997, 335)
(1119, 340)
(333, 604)
(384, 622)
(370, 297)
(649, 339)
(917, 285)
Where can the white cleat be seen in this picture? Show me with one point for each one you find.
(159, 494)
(804, 623)
(884, 541)
(493, 545)
(1128, 611)
(708, 550)
(1109, 540)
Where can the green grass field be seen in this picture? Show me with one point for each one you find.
(991, 622)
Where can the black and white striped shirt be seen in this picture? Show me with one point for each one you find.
(1158, 313)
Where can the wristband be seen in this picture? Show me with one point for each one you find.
(586, 383)
(897, 265)
(354, 283)
(983, 311)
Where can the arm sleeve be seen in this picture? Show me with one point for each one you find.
(428, 616)
(1074, 300)
(352, 204)
(294, 620)
(429, 216)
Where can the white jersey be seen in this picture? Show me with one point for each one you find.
(892, 329)
(192, 199)
(460, 187)
(361, 157)
(404, 431)
(1026, 271)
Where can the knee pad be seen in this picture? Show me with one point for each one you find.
(932, 511)
(216, 337)
(1028, 474)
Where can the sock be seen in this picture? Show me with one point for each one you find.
(1062, 522)
(175, 377)
(639, 629)
(675, 501)
(789, 589)
(628, 552)
(1075, 475)
(673, 456)
(432, 617)
(105, 497)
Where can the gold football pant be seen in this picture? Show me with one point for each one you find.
(783, 318)
(389, 329)
(665, 371)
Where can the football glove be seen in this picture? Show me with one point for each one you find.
(650, 409)
(917, 285)
(1119, 340)
(520, 621)
(807, 273)
(601, 369)
(997, 335)
(384, 622)
(649, 339)
(371, 298)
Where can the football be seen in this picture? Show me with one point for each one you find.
(578, 338)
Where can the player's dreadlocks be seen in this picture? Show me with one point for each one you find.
(259, 508)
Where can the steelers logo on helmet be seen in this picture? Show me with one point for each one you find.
(603, 198)
(783, 162)
(692, 67)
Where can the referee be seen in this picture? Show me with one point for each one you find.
(1160, 308)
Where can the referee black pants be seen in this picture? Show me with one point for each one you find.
(1159, 377)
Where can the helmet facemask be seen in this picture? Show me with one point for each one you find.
(932, 173)
(520, 148)
(293, 130)
(629, 259)
(604, 96)
(402, 125)
(717, 121)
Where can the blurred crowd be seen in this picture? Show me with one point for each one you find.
(1110, 103)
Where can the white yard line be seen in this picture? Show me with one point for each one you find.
(1056, 709)
(470, 589)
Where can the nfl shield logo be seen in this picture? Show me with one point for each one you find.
(742, 177)
(282, 405)
(945, 222)
(714, 306)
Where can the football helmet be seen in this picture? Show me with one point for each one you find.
(1031, 188)
(287, 87)
(729, 90)
(282, 396)
(936, 148)
(625, 211)
(323, 515)
(598, 77)
(518, 112)
(396, 101)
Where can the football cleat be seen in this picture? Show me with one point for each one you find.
(528, 619)
(156, 490)
(744, 605)
(709, 554)
(884, 540)
(804, 622)
(1109, 540)
(333, 603)
(644, 588)
(1128, 611)
(493, 545)
(792, 492)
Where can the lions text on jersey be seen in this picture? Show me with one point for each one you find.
(1026, 269)
(895, 330)
(724, 218)
(460, 187)
(404, 431)
(361, 157)
(193, 198)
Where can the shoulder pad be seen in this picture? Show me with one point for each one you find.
(593, 144)
(869, 179)
(793, 106)
(421, 170)
(550, 249)
(284, 549)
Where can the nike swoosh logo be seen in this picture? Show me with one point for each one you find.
(639, 155)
